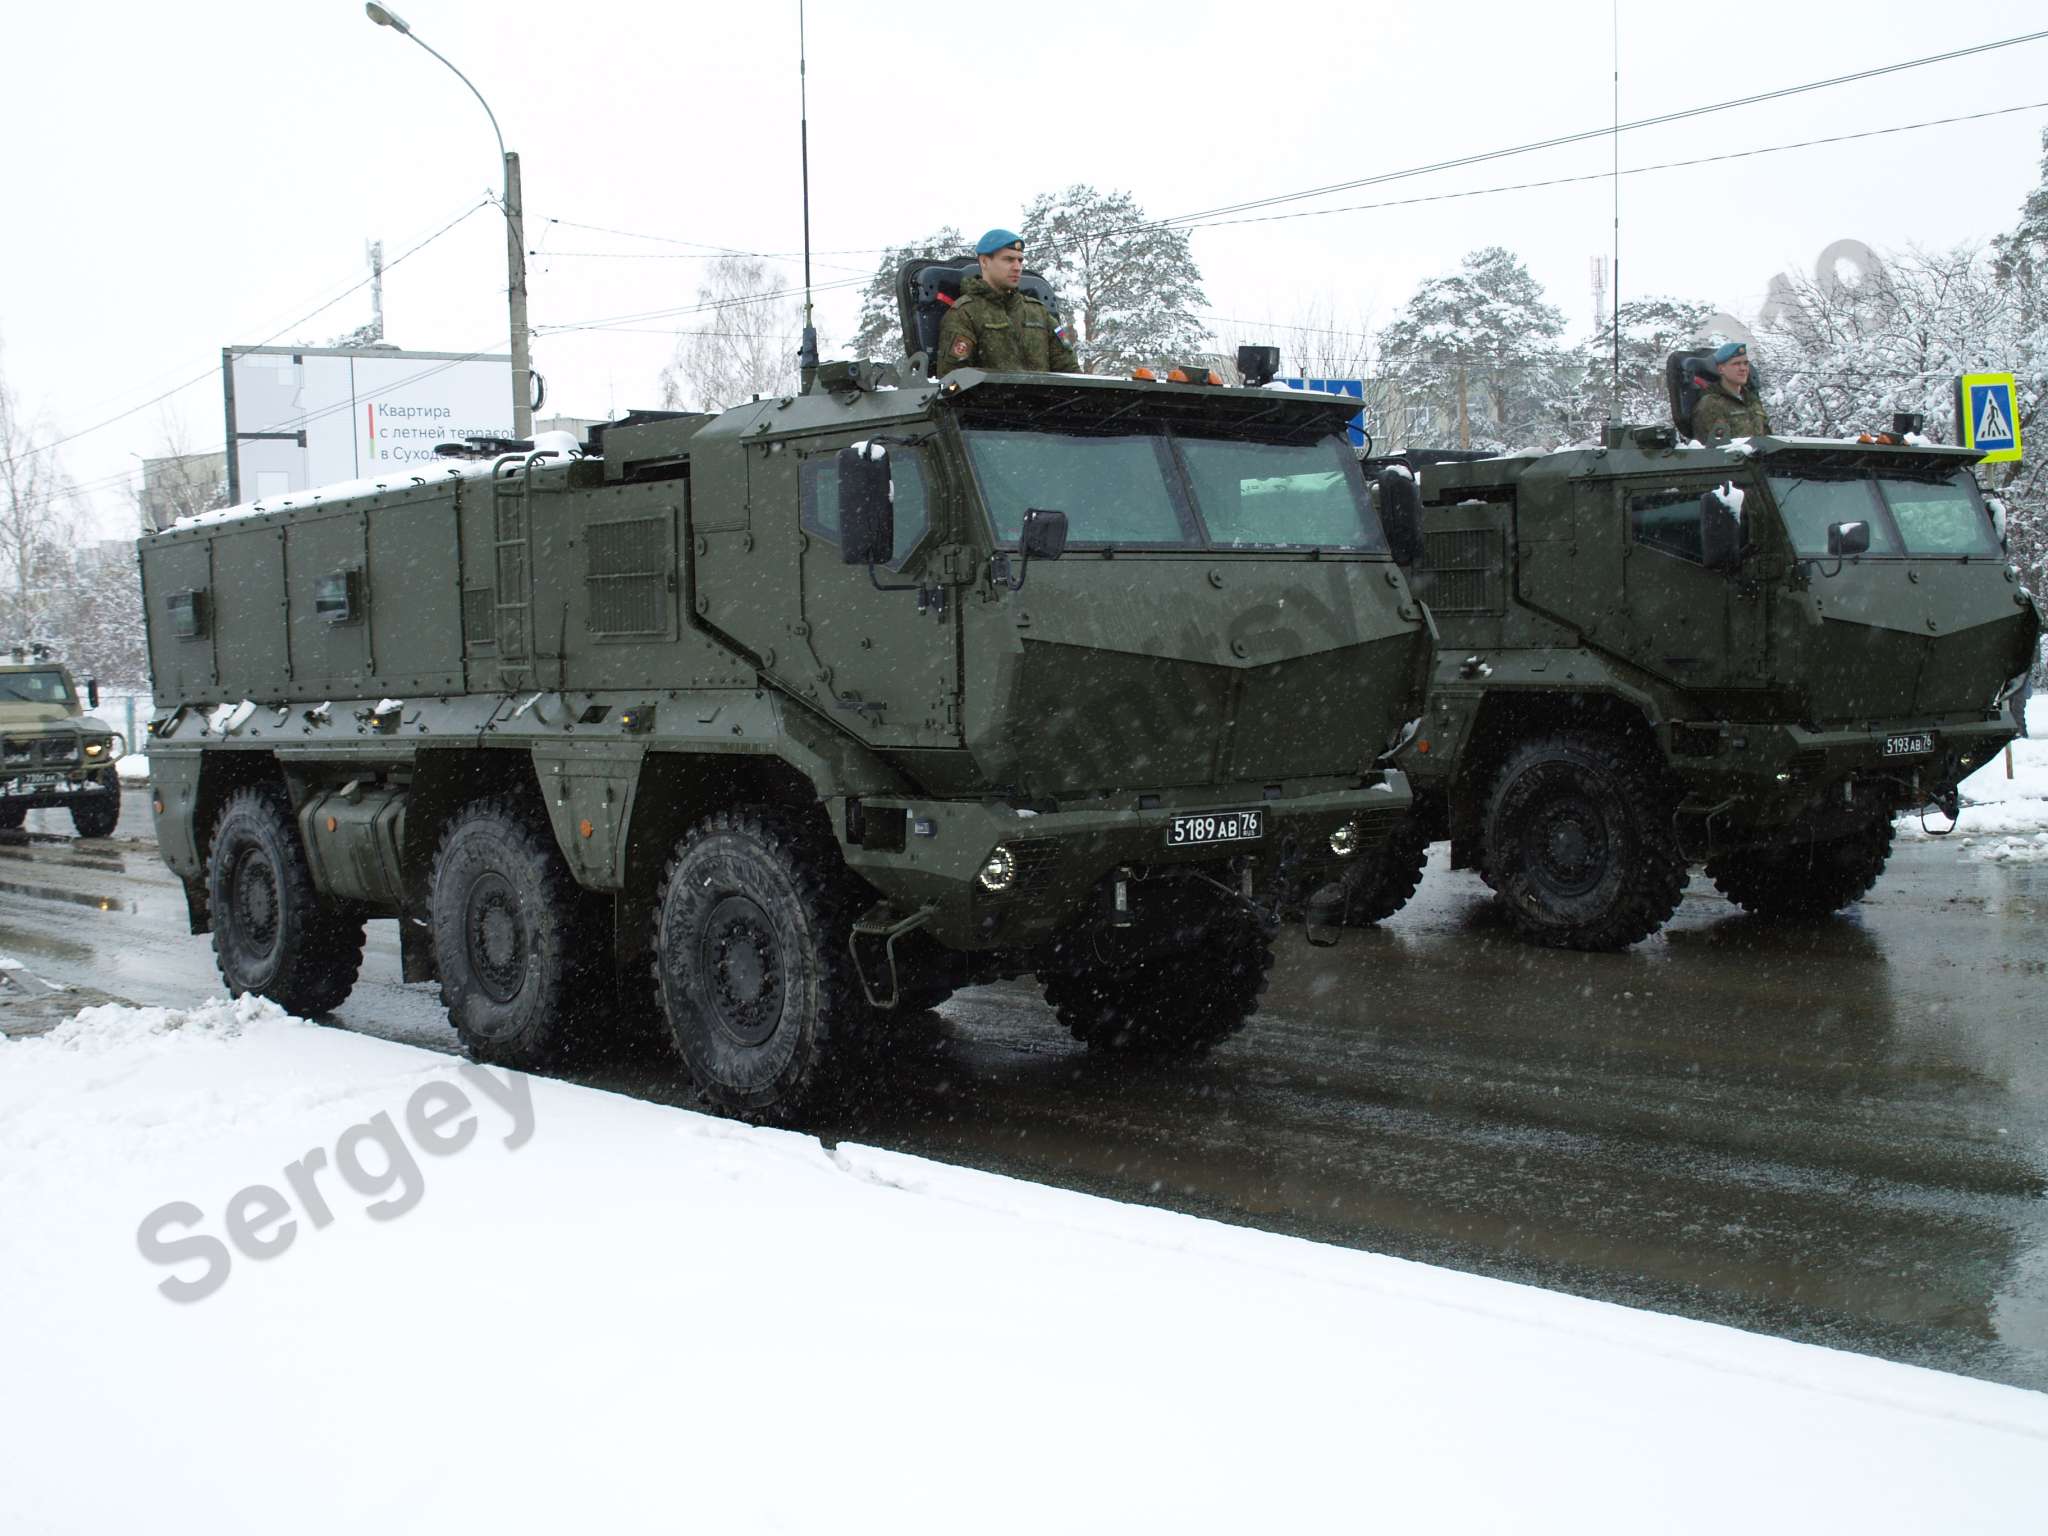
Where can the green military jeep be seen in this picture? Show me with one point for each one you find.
(51, 751)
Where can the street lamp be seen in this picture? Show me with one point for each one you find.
(515, 236)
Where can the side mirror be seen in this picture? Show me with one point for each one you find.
(1846, 539)
(1044, 536)
(92, 693)
(1720, 533)
(867, 506)
(1401, 514)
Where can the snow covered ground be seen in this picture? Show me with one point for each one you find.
(519, 1305)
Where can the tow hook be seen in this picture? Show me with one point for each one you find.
(1322, 921)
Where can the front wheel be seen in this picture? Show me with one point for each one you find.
(273, 934)
(12, 814)
(1379, 883)
(751, 959)
(1580, 845)
(1186, 976)
(96, 815)
(1806, 879)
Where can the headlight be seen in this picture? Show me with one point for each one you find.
(1344, 841)
(95, 748)
(999, 870)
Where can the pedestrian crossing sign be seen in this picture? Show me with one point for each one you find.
(1988, 415)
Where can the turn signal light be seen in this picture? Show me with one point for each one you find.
(1143, 373)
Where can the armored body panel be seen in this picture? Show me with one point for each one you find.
(979, 757)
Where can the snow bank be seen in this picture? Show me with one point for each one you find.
(134, 768)
(642, 1318)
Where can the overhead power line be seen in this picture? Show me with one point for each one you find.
(214, 371)
(1603, 131)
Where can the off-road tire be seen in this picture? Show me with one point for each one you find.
(1805, 879)
(1580, 843)
(12, 814)
(751, 961)
(273, 933)
(1185, 979)
(96, 815)
(1379, 883)
(512, 939)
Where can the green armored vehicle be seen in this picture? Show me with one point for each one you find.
(809, 711)
(52, 752)
(1655, 654)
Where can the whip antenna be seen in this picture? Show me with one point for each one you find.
(807, 351)
(1614, 409)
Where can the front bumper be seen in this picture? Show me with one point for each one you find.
(1061, 856)
(1752, 778)
(45, 788)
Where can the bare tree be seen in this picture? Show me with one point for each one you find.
(745, 344)
(98, 621)
(38, 523)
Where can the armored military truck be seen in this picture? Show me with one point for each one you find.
(794, 716)
(52, 752)
(1655, 654)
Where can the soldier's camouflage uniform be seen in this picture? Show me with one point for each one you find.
(1720, 417)
(1003, 332)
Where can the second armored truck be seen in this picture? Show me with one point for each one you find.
(795, 715)
(1655, 654)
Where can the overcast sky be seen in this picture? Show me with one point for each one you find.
(185, 176)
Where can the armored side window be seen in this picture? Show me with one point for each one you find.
(913, 505)
(1668, 519)
(338, 596)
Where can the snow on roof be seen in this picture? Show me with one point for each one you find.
(550, 445)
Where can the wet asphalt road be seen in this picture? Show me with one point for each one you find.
(1834, 1132)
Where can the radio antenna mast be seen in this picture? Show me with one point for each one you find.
(1614, 406)
(807, 351)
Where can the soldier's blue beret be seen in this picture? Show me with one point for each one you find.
(1728, 351)
(996, 240)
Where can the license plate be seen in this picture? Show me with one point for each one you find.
(34, 783)
(1216, 827)
(1918, 744)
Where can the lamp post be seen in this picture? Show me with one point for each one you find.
(515, 236)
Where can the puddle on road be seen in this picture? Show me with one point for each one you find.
(74, 898)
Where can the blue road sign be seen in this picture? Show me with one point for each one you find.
(1355, 429)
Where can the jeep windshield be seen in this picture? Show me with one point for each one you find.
(1927, 515)
(34, 688)
(1159, 488)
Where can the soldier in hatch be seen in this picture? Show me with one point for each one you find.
(994, 326)
(1729, 406)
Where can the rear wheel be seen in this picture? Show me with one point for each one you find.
(1580, 845)
(273, 933)
(1807, 879)
(751, 960)
(510, 940)
(1186, 976)
(97, 814)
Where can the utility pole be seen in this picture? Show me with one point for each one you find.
(376, 290)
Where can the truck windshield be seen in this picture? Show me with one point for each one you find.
(34, 688)
(1906, 515)
(1161, 490)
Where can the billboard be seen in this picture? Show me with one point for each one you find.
(299, 417)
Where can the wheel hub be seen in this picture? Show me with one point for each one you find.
(1571, 849)
(496, 937)
(255, 895)
(742, 968)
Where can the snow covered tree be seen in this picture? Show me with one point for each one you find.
(1131, 290)
(745, 344)
(1479, 349)
(879, 334)
(1652, 329)
(38, 525)
(98, 622)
